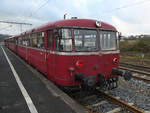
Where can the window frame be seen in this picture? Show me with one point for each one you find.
(57, 38)
(97, 39)
(39, 37)
(108, 31)
(20, 40)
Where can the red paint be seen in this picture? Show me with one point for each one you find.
(62, 69)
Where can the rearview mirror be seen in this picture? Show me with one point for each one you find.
(119, 36)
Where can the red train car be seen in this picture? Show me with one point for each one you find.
(73, 53)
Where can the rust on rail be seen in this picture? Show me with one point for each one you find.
(121, 103)
(122, 63)
(135, 71)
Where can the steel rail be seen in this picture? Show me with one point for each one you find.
(140, 78)
(127, 64)
(135, 70)
(119, 102)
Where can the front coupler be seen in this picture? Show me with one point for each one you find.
(88, 82)
(126, 74)
(108, 84)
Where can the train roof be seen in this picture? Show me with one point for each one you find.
(77, 23)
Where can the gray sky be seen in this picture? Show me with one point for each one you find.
(129, 17)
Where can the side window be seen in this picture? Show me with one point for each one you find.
(48, 35)
(13, 40)
(30, 40)
(20, 40)
(64, 40)
(51, 40)
(27, 40)
(24, 40)
(40, 39)
(34, 40)
(108, 40)
(16, 41)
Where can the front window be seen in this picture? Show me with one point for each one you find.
(64, 40)
(85, 40)
(108, 40)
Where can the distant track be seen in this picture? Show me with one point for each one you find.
(137, 69)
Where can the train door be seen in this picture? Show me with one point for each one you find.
(50, 55)
(26, 49)
(16, 43)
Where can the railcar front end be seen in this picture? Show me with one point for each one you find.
(87, 58)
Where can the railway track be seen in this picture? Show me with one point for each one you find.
(101, 102)
(123, 104)
(143, 71)
(136, 67)
(106, 103)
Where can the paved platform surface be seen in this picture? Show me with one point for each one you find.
(45, 97)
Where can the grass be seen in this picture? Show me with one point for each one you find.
(135, 51)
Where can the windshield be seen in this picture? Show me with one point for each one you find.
(64, 40)
(108, 40)
(85, 40)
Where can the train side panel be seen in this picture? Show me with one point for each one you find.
(37, 58)
(21, 50)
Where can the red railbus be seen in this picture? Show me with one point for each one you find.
(72, 53)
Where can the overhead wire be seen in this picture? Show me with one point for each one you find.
(126, 6)
(39, 8)
(34, 12)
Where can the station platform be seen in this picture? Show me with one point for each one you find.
(25, 90)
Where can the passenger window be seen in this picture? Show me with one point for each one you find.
(27, 40)
(64, 40)
(30, 40)
(20, 40)
(16, 41)
(40, 37)
(34, 40)
(108, 40)
(24, 40)
(51, 40)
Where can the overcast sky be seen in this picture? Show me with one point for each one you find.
(131, 17)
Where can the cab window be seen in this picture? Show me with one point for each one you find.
(85, 40)
(64, 40)
(108, 40)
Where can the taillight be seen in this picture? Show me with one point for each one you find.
(79, 64)
(115, 60)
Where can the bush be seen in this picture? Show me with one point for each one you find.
(139, 45)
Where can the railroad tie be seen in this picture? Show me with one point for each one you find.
(115, 110)
(146, 111)
(97, 104)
